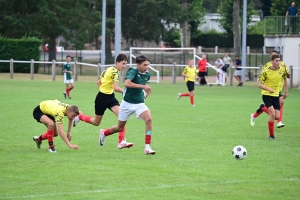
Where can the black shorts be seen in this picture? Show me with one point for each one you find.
(104, 101)
(190, 85)
(202, 74)
(271, 101)
(280, 95)
(37, 114)
(224, 68)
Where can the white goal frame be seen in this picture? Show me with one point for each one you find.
(195, 57)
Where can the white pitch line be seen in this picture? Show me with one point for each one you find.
(117, 190)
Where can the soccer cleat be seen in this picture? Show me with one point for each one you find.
(193, 105)
(149, 151)
(38, 144)
(209, 85)
(65, 95)
(272, 138)
(252, 120)
(51, 149)
(101, 137)
(280, 125)
(124, 144)
(69, 98)
(75, 121)
(178, 97)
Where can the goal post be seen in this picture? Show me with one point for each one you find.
(156, 78)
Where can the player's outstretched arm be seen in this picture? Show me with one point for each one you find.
(117, 87)
(64, 137)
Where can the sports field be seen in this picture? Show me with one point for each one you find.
(193, 147)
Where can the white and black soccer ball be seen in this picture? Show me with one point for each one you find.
(239, 152)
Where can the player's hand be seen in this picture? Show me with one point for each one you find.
(285, 95)
(71, 72)
(147, 89)
(69, 136)
(73, 146)
(271, 90)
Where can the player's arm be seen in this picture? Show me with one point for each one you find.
(69, 134)
(64, 137)
(99, 83)
(285, 85)
(117, 87)
(130, 84)
(262, 86)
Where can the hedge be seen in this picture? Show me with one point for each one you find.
(23, 49)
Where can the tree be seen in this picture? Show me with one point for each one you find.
(226, 9)
(279, 7)
(236, 27)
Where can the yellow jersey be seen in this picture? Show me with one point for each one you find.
(272, 79)
(55, 109)
(108, 77)
(282, 64)
(191, 72)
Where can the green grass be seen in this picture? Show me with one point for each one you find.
(193, 146)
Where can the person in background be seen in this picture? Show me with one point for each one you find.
(291, 14)
(202, 70)
(67, 70)
(219, 76)
(238, 71)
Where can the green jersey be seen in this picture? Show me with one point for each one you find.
(135, 95)
(67, 67)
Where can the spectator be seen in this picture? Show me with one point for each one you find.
(291, 14)
(203, 70)
(219, 64)
(238, 71)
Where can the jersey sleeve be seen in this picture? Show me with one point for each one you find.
(184, 70)
(115, 75)
(262, 76)
(131, 73)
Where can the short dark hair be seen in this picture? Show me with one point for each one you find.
(274, 51)
(68, 56)
(141, 58)
(121, 57)
(273, 57)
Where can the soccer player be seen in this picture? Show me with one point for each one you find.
(238, 71)
(133, 102)
(67, 70)
(189, 72)
(105, 99)
(262, 107)
(51, 113)
(270, 81)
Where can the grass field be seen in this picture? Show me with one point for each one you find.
(193, 146)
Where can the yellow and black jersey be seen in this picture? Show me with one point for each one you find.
(108, 77)
(191, 72)
(55, 109)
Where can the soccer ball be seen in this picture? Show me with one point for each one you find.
(239, 152)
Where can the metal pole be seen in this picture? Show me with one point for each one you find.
(118, 32)
(11, 68)
(53, 70)
(31, 69)
(244, 33)
(103, 32)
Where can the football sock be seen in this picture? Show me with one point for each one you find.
(122, 134)
(71, 88)
(68, 92)
(271, 128)
(148, 137)
(192, 100)
(281, 111)
(107, 132)
(185, 94)
(256, 114)
(43, 137)
(84, 118)
(265, 109)
(50, 134)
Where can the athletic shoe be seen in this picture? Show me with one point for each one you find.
(272, 138)
(51, 149)
(124, 144)
(193, 105)
(75, 121)
(178, 97)
(69, 97)
(209, 85)
(101, 137)
(239, 85)
(38, 144)
(149, 151)
(280, 125)
(260, 107)
(65, 95)
(252, 120)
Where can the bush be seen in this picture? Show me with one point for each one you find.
(23, 49)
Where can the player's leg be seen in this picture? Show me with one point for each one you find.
(71, 86)
(279, 121)
(186, 94)
(272, 105)
(67, 88)
(262, 108)
(51, 126)
(121, 140)
(191, 87)
(144, 113)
